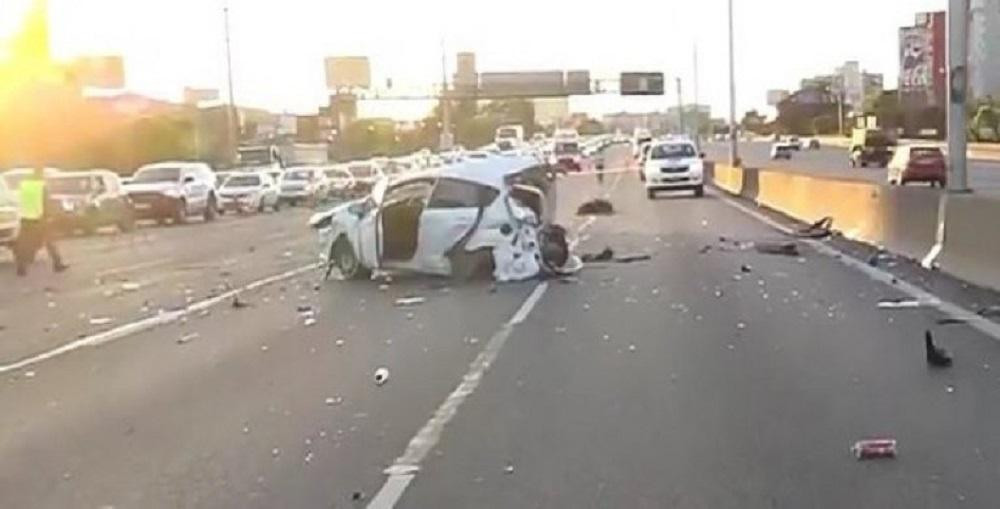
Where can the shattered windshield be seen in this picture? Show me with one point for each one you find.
(502, 255)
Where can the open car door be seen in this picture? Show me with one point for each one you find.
(398, 221)
(453, 214)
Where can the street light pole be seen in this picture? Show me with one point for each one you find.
(697, 114)
(958, 42)
(232, 120)
(446, 141)
(733, 150)
(680, 109)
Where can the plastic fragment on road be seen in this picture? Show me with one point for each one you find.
(130, 286)
(902, 303)
(238, 303)
(381, 376)
(101, 320)
(818, 230)
(187, 338)
(357, 496)
(936, 356)
(508, 468)
(949, 389)
(339, 342)
(607, 254)
(410, 301)
(334, 401)
(875, 448)
(631, 258)
(595, 207)
(29, 374)
(309, 322)
(777, 248)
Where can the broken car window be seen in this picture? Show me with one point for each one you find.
(451, 194)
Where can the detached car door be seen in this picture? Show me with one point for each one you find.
(452, 215)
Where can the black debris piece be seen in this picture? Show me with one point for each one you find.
(951, 321)
(746, 269)
(238, 303)
(357, 496)
(989, 312)
(606, 255)
(704, 249)
(552, 240)
(818, 230)
(595, 207)
(778, 248)
(936, 356)
(633, 258)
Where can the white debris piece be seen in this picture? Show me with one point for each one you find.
(187, 338)
(410, 301)
(100, 320)
(381, 376)
(130, 286)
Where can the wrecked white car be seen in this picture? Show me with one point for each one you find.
(476, 217)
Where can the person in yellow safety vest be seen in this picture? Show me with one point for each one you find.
(35, 226)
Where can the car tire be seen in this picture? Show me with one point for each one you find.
(699, 191)
(210, 209)
(650, 194)
(179, 215)
(342, 256)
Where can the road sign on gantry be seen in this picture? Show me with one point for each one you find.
(641, 83)
(347, 72)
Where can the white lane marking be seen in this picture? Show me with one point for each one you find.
(405, 468)
(145, 324)
(949, 309)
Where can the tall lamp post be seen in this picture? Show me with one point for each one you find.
(734, 157)
(958, 47)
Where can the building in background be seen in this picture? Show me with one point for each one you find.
(984, 49)
(923, 69)
(194, 96)
(657, 122)
(856, 85)
(466, 79)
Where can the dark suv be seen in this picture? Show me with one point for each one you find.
(870, 147)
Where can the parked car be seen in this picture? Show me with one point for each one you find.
(303, 185)
(869, 147)
(918, 163)
(794, 142)
(781, 150)
(367, 173)
(10, 220)
(221, 176)
(89, 200)
(673, 165)
(341, 181)
(13, 178)
(174, 191)
(459, 220)
(249, 192)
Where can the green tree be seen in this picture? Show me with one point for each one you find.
(985, 123)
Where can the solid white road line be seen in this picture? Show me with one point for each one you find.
(145, 324)
(949, 309)
(405, 468)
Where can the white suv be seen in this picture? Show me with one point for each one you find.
(173, 190)
(673, 166)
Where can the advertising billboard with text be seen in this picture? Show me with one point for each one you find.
(348, 72)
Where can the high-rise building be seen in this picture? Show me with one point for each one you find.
(466, 79)
(984, 49)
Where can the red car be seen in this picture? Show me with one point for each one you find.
(566, 155)
(918, 163)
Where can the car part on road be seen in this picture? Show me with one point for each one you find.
(381, 376)
(819, 230)
(936, 356)
(187, 338)
(641, 257)
(878, 448)
(595, 207)
(777, 248)
(410, 301)
(900, 304)
(605, 255)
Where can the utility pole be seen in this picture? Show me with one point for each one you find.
(734, 157)
(680, 108)
(447, 140)
(232, 137)
(697, 114)
(958, 46)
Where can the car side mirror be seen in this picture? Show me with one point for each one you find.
(701, 155)
(188, 179)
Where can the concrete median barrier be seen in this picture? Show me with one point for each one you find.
(901, 219)
(972, 239)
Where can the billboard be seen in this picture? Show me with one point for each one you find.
(641, 83)
(522, 84)
(578, 82)
(98, 72)
(916, 59)
(347, 72)
(774, 97)
(194, 96)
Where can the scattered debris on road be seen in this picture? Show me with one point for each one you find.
(877, 448)
(989, 312)
(508, 468)
(238, 303)
(949, 389)
(777, 248)
(187, 338)
(607, 254)
(334, 401)
(409, 301)
(631, 258)
(101, 320)
(130, 286)
(596, 207)
(936, 356)
(381, 376)
(819, 230)
(746, 269)
(901, 303)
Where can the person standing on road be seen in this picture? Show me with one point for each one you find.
(36, 228)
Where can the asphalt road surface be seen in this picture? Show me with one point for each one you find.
(681, 381)
(832, 162)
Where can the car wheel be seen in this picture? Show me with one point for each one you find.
(210, 209)
(342, 256)
(180, 212)
(699, 191)
(650, 194)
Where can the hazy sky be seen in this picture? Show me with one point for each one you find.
(278, 46)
